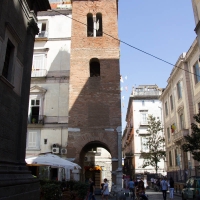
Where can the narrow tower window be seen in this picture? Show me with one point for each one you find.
(99, 28)
(94, 67)
(90, 25)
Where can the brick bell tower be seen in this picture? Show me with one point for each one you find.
(94, 93)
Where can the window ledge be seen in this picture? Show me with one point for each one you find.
(33, 149)
(41, 38)
(3, 79)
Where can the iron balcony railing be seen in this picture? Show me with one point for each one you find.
(36, 119)
(43, 119)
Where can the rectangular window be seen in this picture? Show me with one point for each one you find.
(8, 62)
(144, 141)
(42, 29)
(144, 117)
(196, 72)
(176, 157)
(166, 109)
(33, 140)
(179, 90)
(181, 121)
(168, 134)
(35, 117)
(171, 102)
(38, 68)
(170, 158)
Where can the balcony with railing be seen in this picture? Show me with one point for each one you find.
(177, 136)
(38, 73)
(36, 119)
(43, 119)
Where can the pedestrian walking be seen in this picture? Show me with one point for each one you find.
(131, 186)
(171, 188)
(105, 190)
(164, 186)
(92, 190)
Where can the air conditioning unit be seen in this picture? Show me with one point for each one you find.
(63, 151)
(55, 150)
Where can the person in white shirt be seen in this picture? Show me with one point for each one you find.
(164, 186)
(105, 190)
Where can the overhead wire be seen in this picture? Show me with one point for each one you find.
(121, 41)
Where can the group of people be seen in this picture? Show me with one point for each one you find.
(137, 188)
(104, 191)
(164, 185)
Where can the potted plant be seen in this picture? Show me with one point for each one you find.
(33, 120)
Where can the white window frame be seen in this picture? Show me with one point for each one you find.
(36, 136)
(143, 147)
(42, 34)
(39, 70)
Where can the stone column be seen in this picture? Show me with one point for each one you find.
(119, 173)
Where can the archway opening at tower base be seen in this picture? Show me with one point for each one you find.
(96, 164)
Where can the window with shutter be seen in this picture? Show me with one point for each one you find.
(33, 141)
(38, 69)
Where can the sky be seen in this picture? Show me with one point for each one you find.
(162, 28)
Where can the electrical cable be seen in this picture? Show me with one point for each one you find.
(149, 54)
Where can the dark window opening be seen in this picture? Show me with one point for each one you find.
(7, 68)
(90, 25)
(54, 174)
(43, 27)
(94, 68)
(35, 114)
(99, 31)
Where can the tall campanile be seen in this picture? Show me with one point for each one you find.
(94, 96)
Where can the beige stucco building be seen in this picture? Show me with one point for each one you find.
(180, 101)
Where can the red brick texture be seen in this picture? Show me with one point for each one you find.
(94, 102)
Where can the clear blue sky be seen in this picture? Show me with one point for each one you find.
(162, 28)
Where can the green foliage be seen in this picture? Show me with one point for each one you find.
(81, 189)
(52, 190)
(155, 143)
(192, 142)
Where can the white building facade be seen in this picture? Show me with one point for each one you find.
(48, 102)
(143, 101)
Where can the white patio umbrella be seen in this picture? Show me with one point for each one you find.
(51, 160)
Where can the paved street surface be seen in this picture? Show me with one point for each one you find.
(152, 195)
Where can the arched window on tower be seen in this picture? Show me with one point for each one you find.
(99, 29)
(94, 67)
(90, 25)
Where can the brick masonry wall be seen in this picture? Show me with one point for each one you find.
(94, 102)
